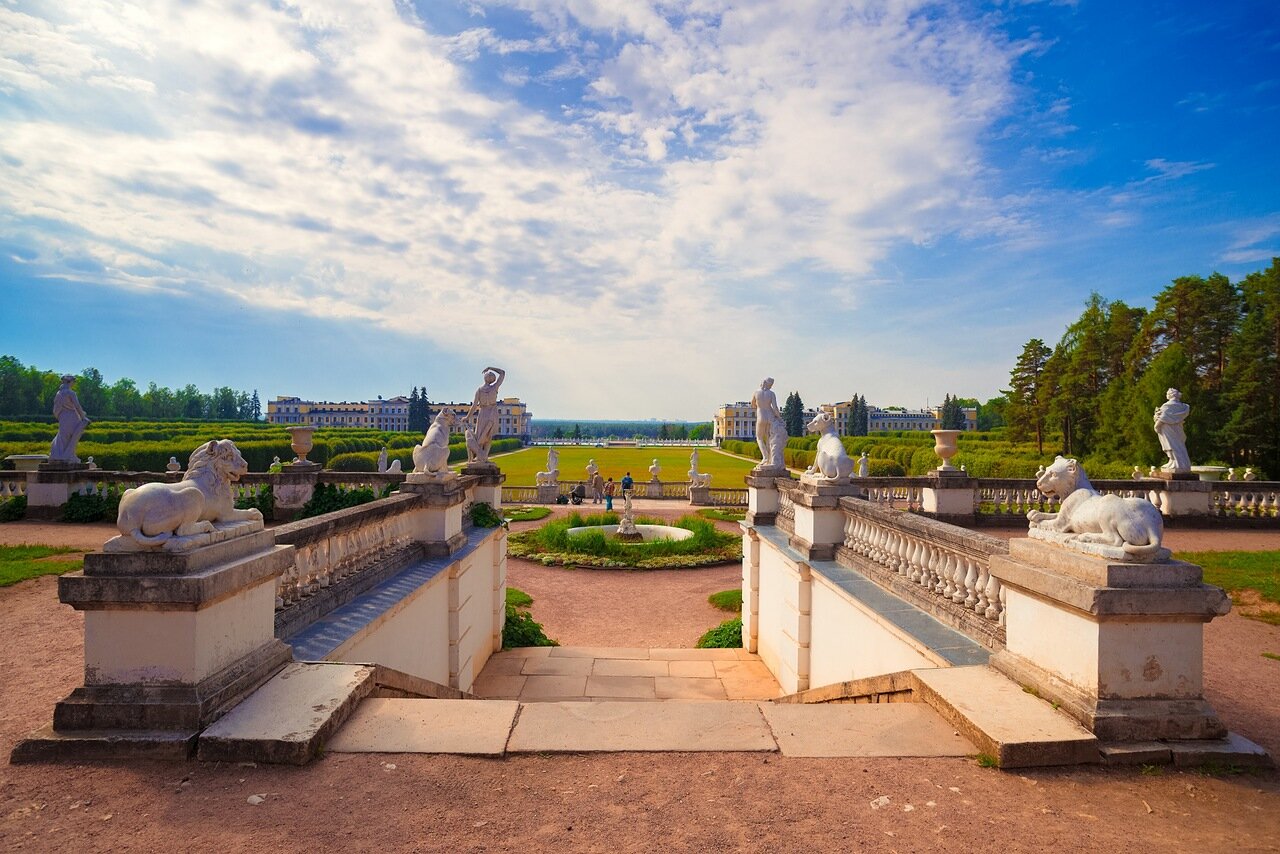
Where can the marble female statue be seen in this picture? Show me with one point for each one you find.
(864, 465)
(72, 422)
(483, 416)
(771, 429)
(553, 460)
(1169, 419)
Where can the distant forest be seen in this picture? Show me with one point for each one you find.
(581, 430)
(1218, 342)
(26, 394)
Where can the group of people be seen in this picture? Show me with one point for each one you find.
(604, 490)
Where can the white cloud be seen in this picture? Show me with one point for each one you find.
(341, 160)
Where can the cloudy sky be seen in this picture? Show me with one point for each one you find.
(637, 207)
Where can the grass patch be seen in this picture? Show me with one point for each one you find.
(727, 600)
(526, 514)
(553, 545)
(721, 515)
(725, 470)
(986, 760)
(1271, 655)
(18, 563)
(1251, 578)
(518, 598)
(727, 635)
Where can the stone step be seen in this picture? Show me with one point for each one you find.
(1018, 729)
(496, 727)
(290, 717)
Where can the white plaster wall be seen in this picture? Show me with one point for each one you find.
(777, 645)
(819, 526)
(149, 647)
(1061, 641)
(413, 638)
(849, 642)
(471, 616)
(1150, 659)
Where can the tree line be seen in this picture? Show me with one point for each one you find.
(1218, 342)
(26, 392)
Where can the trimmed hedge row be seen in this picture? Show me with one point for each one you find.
(367, 461)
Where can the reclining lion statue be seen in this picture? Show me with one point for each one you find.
(156, 512)
(1133, 524)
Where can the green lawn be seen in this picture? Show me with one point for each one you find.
(18, 563)
(521, 466)
(1237, 572)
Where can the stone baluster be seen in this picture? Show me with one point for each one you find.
(948, 571)
(993, 596)
(970, 583)
(961, 573)
(980, 590)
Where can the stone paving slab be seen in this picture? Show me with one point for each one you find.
(876, 729)
(598, 652)
(623, 667)
(628, 726)
(291, 716)
(470, 727)
(1015, 727)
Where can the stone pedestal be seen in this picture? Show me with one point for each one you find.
(762, 494)
(51, 485)
(172, 640)
(1185, 495)
(653, 489)
(1118, 645)
(26, 462)
(949, 497)
(443, 500)
(700, 495)
(547, 493)
(292, 488)
(488, 482)
(819, 521)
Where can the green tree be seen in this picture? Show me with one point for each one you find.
(577, 432)
(1026, 399)
(255, 407)
(951, 415)
(700, 432)
(793, 414)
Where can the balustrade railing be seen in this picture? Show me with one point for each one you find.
(906, 493)
(519, 494)
(13, 484)
(724, 496)
(944, 566)
(786, 518)
(1245, 499)
(334, 546)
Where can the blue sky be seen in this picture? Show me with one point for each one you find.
(637, 208)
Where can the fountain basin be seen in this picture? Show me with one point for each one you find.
(648, 533)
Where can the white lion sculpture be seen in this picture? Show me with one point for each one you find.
(156, 512)
(432, 456)
(1133, 524)
(830, 461)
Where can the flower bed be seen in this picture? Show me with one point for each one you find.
(552, 545)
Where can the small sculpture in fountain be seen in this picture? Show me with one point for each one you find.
(771, 428)
(482, 417)
(831, 463)
(1128, 529)
(697, 479)
(552, 475)
(627, 530)
(175, 515)
(431, 457)
(1169, 419)
(655, 470)
(72, 422)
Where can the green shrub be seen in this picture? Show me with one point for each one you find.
(13, 509)
(722, 514)
(264, 502)
(520, 629)
(883, 468)
(484, 516)
(92, 507)
(329, 497)
(727, 635)
(518, 598)
(727, 600)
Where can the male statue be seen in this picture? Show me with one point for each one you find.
(771, 430)
(1169, 418)
(71, 423)
(484, 407)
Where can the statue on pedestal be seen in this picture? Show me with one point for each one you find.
(552, 474)
(864, 465)
(655, 470)
(382, 460)
(697, 479)
(72, 422)
(432, 455)
(1169, 418)
(771, 428)
(1129, 529)
(483, 416)
(831, 463)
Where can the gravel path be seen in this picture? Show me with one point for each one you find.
(615, 802)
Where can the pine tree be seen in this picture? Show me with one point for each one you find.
(415, 412)
(793, 414)
(1027, 408)
(255, 407)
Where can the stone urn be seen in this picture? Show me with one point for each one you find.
(944, 445)
(301, 441)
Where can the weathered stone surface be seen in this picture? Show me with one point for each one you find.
(289, 718)
(1233, 750)
(640, 726)
(1017, 728)
(1103, 572)
(189, 591)
(48, 745)
(888, 729)
(232, 542)
(469, 727)
(1137, 753)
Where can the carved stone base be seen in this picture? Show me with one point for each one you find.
(62, 465)
(1115, 553)
(221, 532)
(700, 495)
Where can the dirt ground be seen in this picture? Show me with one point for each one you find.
(616, 802)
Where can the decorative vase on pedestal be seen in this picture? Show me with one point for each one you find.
(301, 441)
(945, 447)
